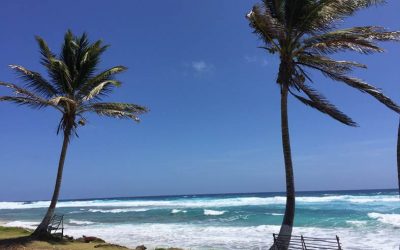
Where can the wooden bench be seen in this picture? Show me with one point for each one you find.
(307, 243)
(56, 226)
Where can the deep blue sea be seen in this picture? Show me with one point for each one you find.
(367, 219)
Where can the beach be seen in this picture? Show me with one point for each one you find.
(367, 219)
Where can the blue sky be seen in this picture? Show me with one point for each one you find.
(214, 124)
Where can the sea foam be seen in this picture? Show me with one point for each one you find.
(118, 210)
(213, 212)
(357, 223)
(175, 211)
(81, 222)
(24, 224)
(206, 203)
(228, 237)
(276, 214)
(391, 219)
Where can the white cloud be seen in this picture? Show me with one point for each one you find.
(201, 66)
(250, 59)
(256, 59)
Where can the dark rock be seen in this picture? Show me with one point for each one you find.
(67, 237)
(169, 248)
(141, 247)
(109, 245)
(88, 239)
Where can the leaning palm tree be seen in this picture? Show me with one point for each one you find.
(73, 88)
(303, 33)
(398, 157)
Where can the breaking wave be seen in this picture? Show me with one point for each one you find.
(175, 211)
(213, 212)
(118, 210)
(204, 203)
(391, 219)
(81, 222)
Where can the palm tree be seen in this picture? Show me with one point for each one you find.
(398, 157)
(74, 88)
(303, 33)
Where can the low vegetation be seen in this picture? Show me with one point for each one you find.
(15, 238)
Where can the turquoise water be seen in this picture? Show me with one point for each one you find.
(362, 219)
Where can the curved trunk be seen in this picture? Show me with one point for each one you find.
(288, 219)
(398, 156)
(41, 230)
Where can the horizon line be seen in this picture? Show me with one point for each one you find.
(206, 194)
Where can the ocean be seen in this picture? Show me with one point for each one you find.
(367, 219)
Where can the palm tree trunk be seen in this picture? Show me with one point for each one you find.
(398, 156)
(41, 230)
(288, 219)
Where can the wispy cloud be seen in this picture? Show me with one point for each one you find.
(256, 59)
(360, 149)
(250, 59)
(201, 66)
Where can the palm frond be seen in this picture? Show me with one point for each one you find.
(375, 33)
(317, 18)
(45, 51)
(320, 103)
(126, 107)
(35, 81)
(47, 60)
(28, 101)
(18, 90)
(59, 99)
(265, 25)
(338, 67)
(116, 110)
(345, 8)
(300, 16)
(323, 15)
(102, 77)
(369, 89)
(26, 97)
(358, 39)
(87, 60)
(60, 75)
(357, 84)
(69, 53)
(101, 89)
(75, 65)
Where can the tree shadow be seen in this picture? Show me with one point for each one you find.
(24, 241)
(15, 243)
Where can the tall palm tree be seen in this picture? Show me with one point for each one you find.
(398, 157)
(303, 33)
(74, 88)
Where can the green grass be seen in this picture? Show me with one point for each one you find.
(16, 238)
(13, 232)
